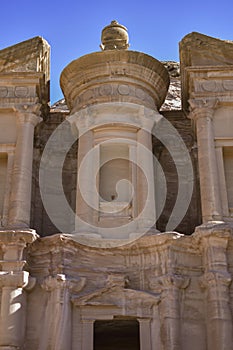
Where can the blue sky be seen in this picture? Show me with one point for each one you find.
(73, 28)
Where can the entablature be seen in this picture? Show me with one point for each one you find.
(208, 82)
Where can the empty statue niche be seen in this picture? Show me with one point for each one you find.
(3, 178)
(115, 181)
(228, 169)
(116, 334)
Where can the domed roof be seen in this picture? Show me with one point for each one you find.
(114, 37)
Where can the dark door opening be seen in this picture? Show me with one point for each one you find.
(116, 334)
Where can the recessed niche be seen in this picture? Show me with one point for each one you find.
(115, 173)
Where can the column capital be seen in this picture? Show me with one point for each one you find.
(29, 114)
(26, 236)
(213, 279)
(13, 242)
(144, 320)
(60, 281)
(213, 233)
(10, 239)
(173, 280)
(202, 108)
(14, 279)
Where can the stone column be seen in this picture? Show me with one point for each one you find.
(13, 313)
(213, 240)
(202, 112)
(145, 179)
(13, 281)
(20, 199)
(170, 310)
(145, 333)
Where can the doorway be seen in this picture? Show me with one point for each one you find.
(116, 334)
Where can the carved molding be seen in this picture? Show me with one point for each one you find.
(223, 85)
(113, 92)
(17, 91)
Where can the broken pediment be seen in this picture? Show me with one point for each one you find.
(28, 56)
(201, 50)
(203, 58)
(23, 66)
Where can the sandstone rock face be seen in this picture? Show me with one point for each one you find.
(173, 98)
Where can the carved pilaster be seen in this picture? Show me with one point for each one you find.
(172, 285)
(202, 111)
(57, 330)
(218, 312)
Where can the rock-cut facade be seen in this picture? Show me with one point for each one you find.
(116, 203)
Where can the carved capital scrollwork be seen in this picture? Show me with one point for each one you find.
(214, 279)
(60, 281)
(202, 108)
(173, 280)
(29, 114)
(14, 279)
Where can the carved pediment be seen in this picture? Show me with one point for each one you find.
(197, 49)
(25, 72)
(118, 297)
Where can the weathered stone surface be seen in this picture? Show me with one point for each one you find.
(132, 77)
(173, 98)
(197, 49)
(169, 290)
(28, 56)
